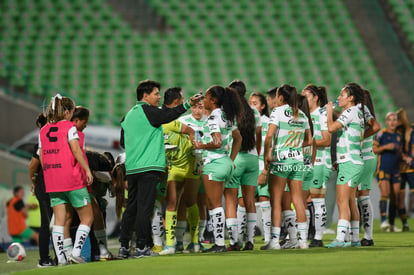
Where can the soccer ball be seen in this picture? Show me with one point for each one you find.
(16, 252)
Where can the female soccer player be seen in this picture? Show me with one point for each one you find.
(406, 165)
(66, 175)
(387, 146)
(289, 126)
(317, 99)
(349, 159)
(246, 172)
(224, 107)
(258, 100)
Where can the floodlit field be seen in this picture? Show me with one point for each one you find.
(393, 253)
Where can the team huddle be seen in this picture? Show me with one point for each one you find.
(274, 151)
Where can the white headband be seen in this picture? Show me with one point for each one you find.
(54, 100)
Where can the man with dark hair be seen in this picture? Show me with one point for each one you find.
(172, 94)
(145, 161)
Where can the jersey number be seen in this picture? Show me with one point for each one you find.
(294, 138)
(51, 130)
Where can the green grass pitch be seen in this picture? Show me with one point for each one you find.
(393, 253)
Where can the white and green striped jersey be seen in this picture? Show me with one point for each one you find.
(320, 123)
(258, 121)
(307, 156)
(265, 126)
(195, 124)
(368, 143)
(217, 123)
(348, 146)
(289, 135)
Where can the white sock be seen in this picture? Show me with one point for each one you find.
(289, 219)
(320, 217)
(158, 230)
(367, 216)
(218, 218)
(67, 246)
(303, 231)
(81, 235)
(251, 223)
(202, 227)
(275, 234)
(342, 230)
(231, 225)
(355, 231)
(241, 222)
(58, 243)
(307, 213)
(180, 230)
(266, 220)
(100, 236)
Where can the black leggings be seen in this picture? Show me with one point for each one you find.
(44, 232)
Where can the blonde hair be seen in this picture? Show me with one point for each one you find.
(402, 116)
(58, 105)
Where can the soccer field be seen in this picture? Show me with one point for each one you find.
(393, 253)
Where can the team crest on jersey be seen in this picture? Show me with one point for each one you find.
(288, 113)
(212, 117)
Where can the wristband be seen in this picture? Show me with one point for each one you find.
(187, 105)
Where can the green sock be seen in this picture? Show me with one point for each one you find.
(193, 222)
(170, 224)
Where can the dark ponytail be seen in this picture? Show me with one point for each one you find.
(228, 100)
(304, 106)
(368, 102)
(289, 93)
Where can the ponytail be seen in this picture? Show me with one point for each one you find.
(304, 107)
(320, 92)
(57, 107)
(289, 93)
(355, 90)
(228, 100)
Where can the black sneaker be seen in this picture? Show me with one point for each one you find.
(216, 249)
(316, 243)
(147, 252)
(234, 247)
(248, 246)
(124, 253)
(46, 263)
(365, 242)
(406, 228)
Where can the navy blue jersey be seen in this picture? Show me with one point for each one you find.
(388, 160)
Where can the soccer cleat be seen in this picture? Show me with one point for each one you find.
(303, 244)
(216, 249)
(179, 247)
(316, 243)
(147, 252)
(385, 226)
(289, 244)
(77, 259)
(406, 228)
(365, 242)
(248, 246)
(168, 250)
(335, 243)
(46, 263)
(356, 244)
(395, 229)
(202, 248)
(157, 248)
(192, 248)
(271, 246)
(234, 247)
(124, 253)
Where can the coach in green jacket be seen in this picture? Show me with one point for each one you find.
(145, 161)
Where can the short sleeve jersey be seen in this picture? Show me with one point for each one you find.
(348, 147)
(320, 124)
(289, 135)
(217, 123)
(367, 143)
(388, 160)
(173, 136)
(195, 124)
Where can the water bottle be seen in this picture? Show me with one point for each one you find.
(197, 138)
(335, 104)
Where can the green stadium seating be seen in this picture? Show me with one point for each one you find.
(86, 50)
